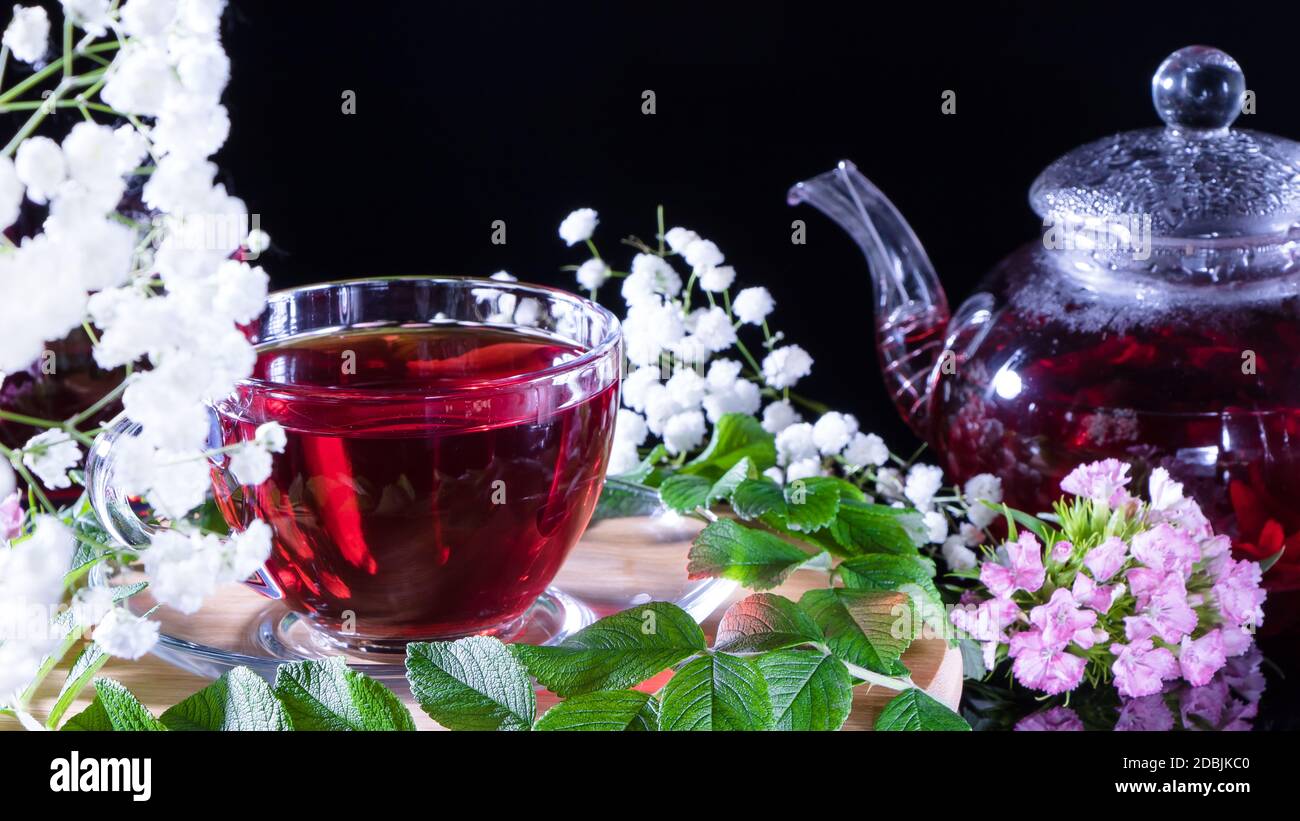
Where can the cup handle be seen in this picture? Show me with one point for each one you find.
(113, 506)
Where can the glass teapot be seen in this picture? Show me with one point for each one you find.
(1156, 321)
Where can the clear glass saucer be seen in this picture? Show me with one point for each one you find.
(633, 552)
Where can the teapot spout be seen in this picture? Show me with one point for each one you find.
(911, 309)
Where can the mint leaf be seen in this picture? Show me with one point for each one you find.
(810, 690)
(684, 493)
(471, 684)
(755, 558)
(621, 499)
(755, 498)
(239, 700)
(716, 692)
(728, 482)
(736, 436)
(911, 574)
(615, 652)
(765, 621)
(114, 709)
(860, 528)
(812, 503)
(859, 626)
(330, 695)
(916, 710)
(645, 467)
(615, 710)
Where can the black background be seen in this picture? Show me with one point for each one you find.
(473, 112)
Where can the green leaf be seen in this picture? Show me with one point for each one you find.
(115, 709)
(620, 499)
(239, 700)
(810, 690)
(763, 622)
(471, 684)
(615, 652)
(812, 503)
(615, 710)
(736, 436)
(330, 695)
(911, 574)
(755, 558)
(755, 498)
(684, 493)
(716, 692)
(639, 473)
(860, 626)
(972, 659)
(869, 528)
(726, 485)
(916, 710)
(1269, 561)
(1034, 524)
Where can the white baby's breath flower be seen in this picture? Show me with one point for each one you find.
(776, 475)
(12, 191)
(833, 431)
(686, 388)
(957, 555)
(889, 483)
(723, 373)
(783, 367)
(936, 526)
(702, 253)
(623, 458)
(592, 274)
(978, 489)
(28, 33)
(923, 482)
(752, 305)
(90, 15)
(684, 432)
(247, 551)
(804, 469)
(126, 636)
(795, 442)
(91, 604)
(742, 396)
(50, 455)
(636, 384)
(148, 18)
(31, 585)
(630, 427)
(649, 329)
(679, 238)
(714, 331)
(780, 415)
(717, 279)
(579, 226)
(271, 436)
(140, 80)
(251, 464)
(41, 167)
(258, 241)
(650, 278)
(866, 449)
(204, 71)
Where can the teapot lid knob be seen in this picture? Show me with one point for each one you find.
(1198, 91)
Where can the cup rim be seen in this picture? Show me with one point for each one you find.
(610, 340)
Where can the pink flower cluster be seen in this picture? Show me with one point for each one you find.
(1169, 602)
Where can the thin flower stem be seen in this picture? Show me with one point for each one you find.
(67, 49)
(659, 212)
(50, 70)
(15, 459)
(32, 421)
(4, 63)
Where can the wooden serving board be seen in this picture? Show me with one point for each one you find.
(616, 556)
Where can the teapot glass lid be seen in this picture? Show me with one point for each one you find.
(1198, 177)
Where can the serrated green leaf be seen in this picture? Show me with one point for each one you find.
(620, 499)
(716, 692)
(330, 695)
(755, 558)
(916, 710)
(727, 483)
(860, 626)
(809, 689)
(684, 493)
(114, 709)
(612, 710)
(645, 467)
(763, 622)
(238, 700)
(754, 498)
(471, 684)
(615, 652)
(811, 504)
(910, 574)
(735, 437)
(861, 528)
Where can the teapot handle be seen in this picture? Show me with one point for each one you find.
(113, 507)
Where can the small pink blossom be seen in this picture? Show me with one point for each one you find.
(1164, 548)
(1061, 621)
(11, 517)
(1238, 592)
(1186, 516)
(1090, 594)
(1201, 658)
(1107, 558)
(1042, 667)
(1142, 581)
(1140, 668)
(1165, 613)
(1054, 719)
(1164, 491)
(1061, 552)
(1102, 481)
(987, 623)
(1025, 571)
(1236, 640)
